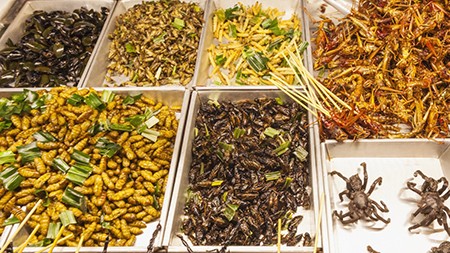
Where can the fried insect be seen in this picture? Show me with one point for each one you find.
(114, 189)
(431, 204)
(242, 181)
(390, 67)
(360, 205)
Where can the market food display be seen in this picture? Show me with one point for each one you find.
(250, 42)
(249, 171)
(103, 157)
(389, 60)
(155, 43)
(53, 50)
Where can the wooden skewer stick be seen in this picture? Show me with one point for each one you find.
(24, 245)
(279, 236)
(80, 243)
(60, 241)
(11, 238)
(319, 219)
(53, 245)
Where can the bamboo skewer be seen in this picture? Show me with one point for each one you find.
(80, 243)
(59, 241)
(53, 245)
(24, 245)
(10, 239)
(319, 219)
(279, 236)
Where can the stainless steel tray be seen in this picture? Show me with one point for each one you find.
(204, 68)
(395, 161)
(179, 194)
(96, 74)
(16, 28)
(175, 96)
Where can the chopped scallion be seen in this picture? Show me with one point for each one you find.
(130, 48)
(155, 203)
(152, 121)
(287, 182)
(7, 157)
(79, 173)
(75, 99)
(160, 38)
(107, 96)
(238, 132)
(301, 153)
(42, 136)
(178, 23)
(225, 146)
(80, 156)
(151, 134)
(53, 229)
(271, 132)
(61, 165)
(94, 101)
(233, 32)
(11, 178)
(28, 152)
(74, 198)
(230, 211)
(107, 147)
(129, 100)
(279, 100)
(220, 60)
(273, 175)
(217, 183)
(67, 218)
(121, 127)
(10, 221)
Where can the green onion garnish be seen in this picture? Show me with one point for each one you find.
(129, 100)
(155, 203)
(11, 178)
(60, 165)
(271, 132)
(274, 175)
(230, 211)
(220, 60)
(287, 182)
(302, 47)
(53, 229)
(301, 153)
(121, 127)
(282, 148)
(28, 152)
(75, 199)
(160, 38)
(80, 156)
(107, 147)
(152, 121)
(94, 101)
(10, 221)
(7, 157)
(136, 120)
(78, 173)
(75, 100)
(107, 96)
(130, 48)
(238, 132)
(151, 134)
(279, 100)
(233, 31)
(225, 146)
(67, 218)
(42, 136)
(178, 23)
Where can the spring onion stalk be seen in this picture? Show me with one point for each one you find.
(155, 203)
(206, 130)
(60, 165)
(217, 183)
(130, 48)
(224, 196)
(151, 134)
(301, 153)
(256, 60)
(279, 100)
(225, 146)
(152, 121)
(129, 100)
(214, 102)
(7, 157)
(271, 132)
(233, 31)
(67, 218)
(5, 125)
(78, 173)
(28, 152)
(11, 178)
(282, 148)
(94, 101)
(40, 102)
(74, 198)
(302, 47)
(238, 132)
(42, 194)
(107, 147)
(274, 175)
(287, 182)
(107, 96)
(10, 221)
(178, 23)
(121, 127)
(220, 59)
(53, 229)
(80, 156)
(136, 120)
(75, 100)
(230, 211)
(42, 136)
(105, 224)
(41, 243)
(160, 38)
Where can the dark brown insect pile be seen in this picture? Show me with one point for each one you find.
(360, 205)
(249, 169)
(431, 204)
(54, 49)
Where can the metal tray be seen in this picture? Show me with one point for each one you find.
(96, 74)
(169, 96)
(16, 28)
(395, 161)
(204, 68)
(179, 194)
